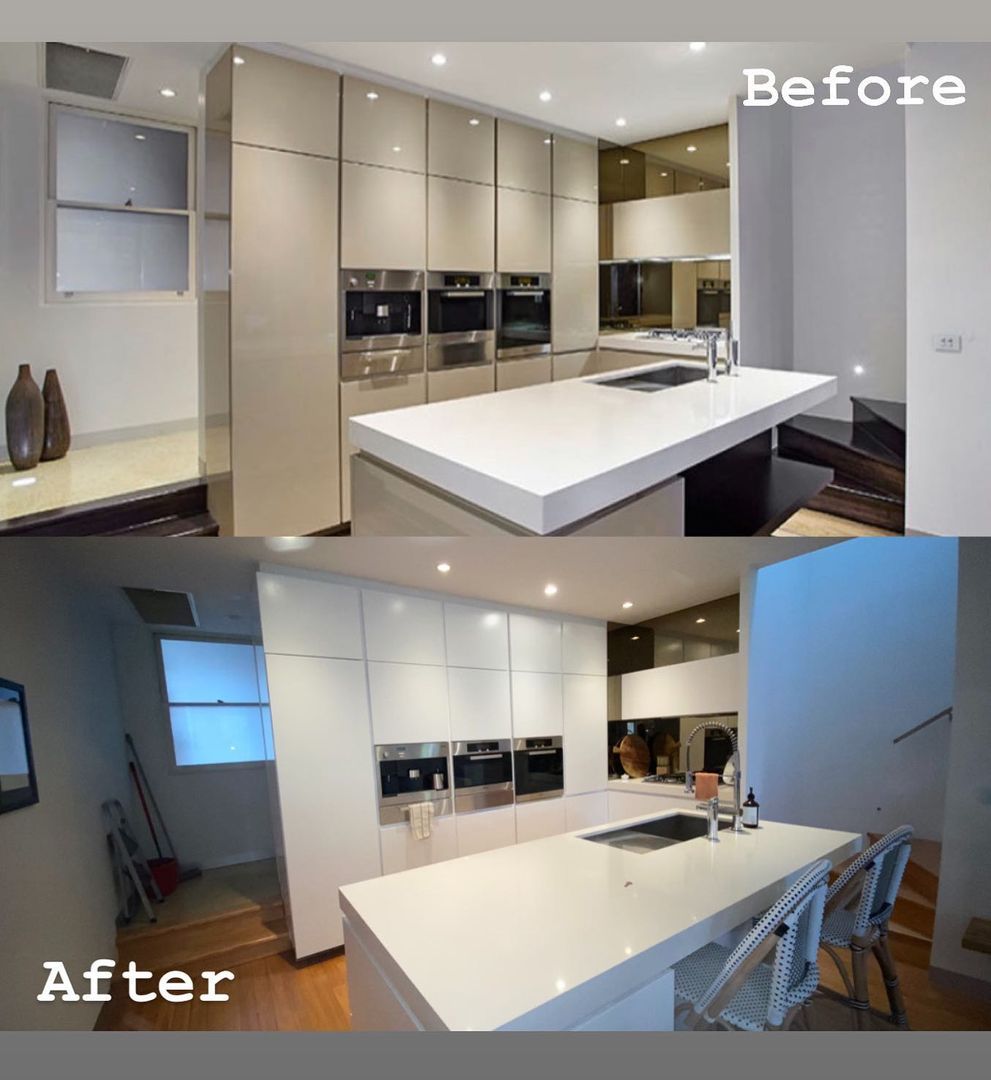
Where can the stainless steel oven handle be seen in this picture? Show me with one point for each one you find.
(538, 753)
(483, 757)
(470, 294)
(524, 293)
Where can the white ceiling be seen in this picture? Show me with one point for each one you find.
(594, 576)
(660, 87)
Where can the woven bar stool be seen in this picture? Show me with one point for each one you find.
(738, 989)
(858, 907)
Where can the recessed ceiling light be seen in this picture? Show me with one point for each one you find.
(627, 603)
(167, 91)
(438, 59)
(140, 138)
(621, 122)
(691, 148)
(550, 590)
(372, 96)
(474, 121)
(239, 60)
(444, 567)
(544, 95)
(696, 46)
(858, 369)
(700, 621)
(396, 149)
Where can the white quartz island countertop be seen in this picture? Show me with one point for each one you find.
(545, 457)
(538, 935)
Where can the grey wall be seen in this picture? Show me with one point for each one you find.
(56, 889)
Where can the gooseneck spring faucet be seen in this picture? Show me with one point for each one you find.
(715, 725)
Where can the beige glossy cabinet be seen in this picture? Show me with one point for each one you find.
(284, 105)
(383, 218)
(523, 231)
(523, 157)
(526, 371)
(284, 441)
(576, 169)
(460, 382)
(572, 365)
(383, 126)
(575, 299)
(460, 143)
(460, 225)
(368, 396)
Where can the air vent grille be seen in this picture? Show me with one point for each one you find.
(159, 607)
(83, 71)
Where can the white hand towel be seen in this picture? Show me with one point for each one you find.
(421, 816)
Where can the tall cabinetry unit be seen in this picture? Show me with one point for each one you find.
(575, 249)
(325, 768)
(280, 243)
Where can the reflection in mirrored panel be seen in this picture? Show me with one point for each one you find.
(18, 784)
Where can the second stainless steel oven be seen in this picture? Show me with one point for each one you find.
(460, 320)
(523, 318)
(539, 768)
(381, 322)
(483, 774)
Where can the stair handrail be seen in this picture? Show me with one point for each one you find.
(947, 712)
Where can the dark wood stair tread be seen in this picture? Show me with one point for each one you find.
(845, 434)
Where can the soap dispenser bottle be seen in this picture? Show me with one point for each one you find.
(751, 811)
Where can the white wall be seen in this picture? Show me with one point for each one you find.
(965, 870)
(56, 886)
(848, 247)
(122, 365)
(848, 647)
(215, 816)
(949, 267)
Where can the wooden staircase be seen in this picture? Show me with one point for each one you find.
(914, 916)
(867, 455)
(212, 943)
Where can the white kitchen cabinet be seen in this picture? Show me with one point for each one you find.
(534, 643)
(583, 648)
(576, 169)
(304, 617)
(460, 143)
(523, 371)
(624, 805)
(402, 851)
(325, 769)
(460, 382)
(383, 126)
(460, 225)
(486, 830)
(380, 394)
(480, 703)
(523, 158)
(477, 637)
(586, 811)
(403, 628)
(537, 705)
(283, 104)
(535, 820)
(523, 232)
(383, 218)
(409, 703)
(586, 737)
(575, 303)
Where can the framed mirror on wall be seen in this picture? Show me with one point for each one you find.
(18, 783)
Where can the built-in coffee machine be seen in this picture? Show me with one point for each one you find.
(483, 774)
(381, 322)
(412, 773)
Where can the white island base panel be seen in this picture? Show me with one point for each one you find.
(562, 933)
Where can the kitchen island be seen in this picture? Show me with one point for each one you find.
(590, 456)
(560, 933)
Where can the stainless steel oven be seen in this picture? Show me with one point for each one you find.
(483, 774)
(539, 768)
(460, 320)
(523, 315)
(413, 773)
(381, 322)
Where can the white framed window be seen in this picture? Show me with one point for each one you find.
(215, 695)
(120, 214)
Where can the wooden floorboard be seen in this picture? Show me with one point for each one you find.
(816, 523)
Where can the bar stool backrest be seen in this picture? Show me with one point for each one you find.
(878, 874)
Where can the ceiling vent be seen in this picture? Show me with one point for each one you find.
(83, 71)
(159, 607)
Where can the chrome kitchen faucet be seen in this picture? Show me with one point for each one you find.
(715, 725)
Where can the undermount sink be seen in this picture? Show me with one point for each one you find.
(646, 836)
(646, 382)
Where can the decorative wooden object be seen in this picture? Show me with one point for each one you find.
(25, 417)
(635, 756)
(58, 434)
